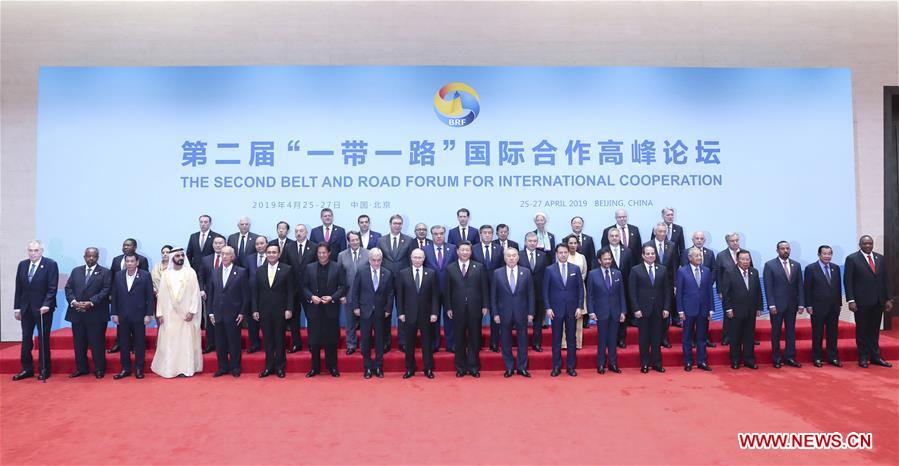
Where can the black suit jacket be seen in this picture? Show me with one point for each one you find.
(708, 258)
(536, 273)
(335, 288)
(226, 301)
(96, 291)
(723, 262)
(471, 292)
(863, 286)
(509, 244)
(744, 302)
(821, 296)
(671, 259)
(417, 304)
(496, 257)
(135, 304)
(194, 252)
(272, 300)
(396, 260)
(249, 246)
(651, 298)
(677, 237)
(41, 290)
(588, 249)
(288, 244)
(634, 241)
(116, 265)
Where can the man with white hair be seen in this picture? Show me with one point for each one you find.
(371, 299)
(630, 235)
(178, 349)
(242, 242)
(37, 279)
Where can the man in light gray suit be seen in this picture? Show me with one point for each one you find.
(350, 260)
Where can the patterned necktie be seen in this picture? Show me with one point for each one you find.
(827, 273)
(440, 256)
(512, 279)
(259, 260)
(787, 270)
(87, 275)
(532, 261)
(623, 236)
(746, 279)
(417, 280)
(697, 275)
(374, 278)
(31, 272)
(608, 280)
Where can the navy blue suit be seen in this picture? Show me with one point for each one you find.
(650, 296)
(89, 327)
(608, 303)
(823, 299)
(696, 302)
(496, 261)
(373, 304)
(252, 263)
(417, 304)
(131, 306)
(226, 301)
(537, 268)
(30, 297)
(624, 263)
(513, 307)
(454, 236)
(708, 258)
(373, 237)
(787, 295)
(564, 297)
(337, 240)
(449, 256)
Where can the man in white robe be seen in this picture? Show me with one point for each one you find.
(178, 350)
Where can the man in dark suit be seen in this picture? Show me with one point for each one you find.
(368, 237)
(282, 230)
(466, 301)
(502, 238)
(512, 306)
(417, 306)
(437, 257)
(421, 237)
(724, 261)
(242, 241)
(372, 301)
(208, 266)
(327, 232)
(786, 297)
(630, 234)
(491, 257)
(586, 246)
(272, 305)
(534, 259)
(463, 232)
(37, 279)
(666, 255)
(623, 261)
(708, 260)
(229, 304)
(695, 302)
(129, 246)
(607, 305)
(674, 232)
(252, 263)
(132, 307)
(869, 296)
(563, 297)
(650, 293)
(823, 299)
(323, 286)
(742, 304)
(545, 240)
(395, 246)
(298, 254)
(87, 292)
(200, 243)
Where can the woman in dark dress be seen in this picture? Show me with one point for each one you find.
(323, 286)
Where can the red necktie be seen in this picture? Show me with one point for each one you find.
(327, 234)
(871, 264)
(217, 261)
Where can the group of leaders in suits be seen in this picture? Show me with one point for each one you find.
(461, 276)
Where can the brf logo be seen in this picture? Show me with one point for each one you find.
(457, 104)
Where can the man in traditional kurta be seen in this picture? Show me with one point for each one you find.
(178, 350)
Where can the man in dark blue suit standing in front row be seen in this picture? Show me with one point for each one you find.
(229, 304)
(132, 307)
(87, 292)
(512, 305)
(608, 307)
(786, 297)
(823, 299)
(37, 280)
(695, 303)
(563, 295)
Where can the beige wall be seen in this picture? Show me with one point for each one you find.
(858, 35)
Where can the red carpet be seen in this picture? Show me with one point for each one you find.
(628, 418)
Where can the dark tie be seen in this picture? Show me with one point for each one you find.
(417, 280)
(746, 279)
(394, 243)
(827, 273)
(464, 270)
(260, 258)
(608, 280)
(532, 261)
(652, 275)
(241, 246)
(87, 275)
(300, 250)
(487, 254)
(440, 256)
(355, 256)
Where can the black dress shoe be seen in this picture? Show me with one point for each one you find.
(408, 374)
(114, 349)
(734, 365)
(863, 364)
(835, 363)
(208, 349)
(693, 345)
(435, 350)
(253, 349)
(429, 373)
(524, 373)
(311, 374)
(494, 348)
(508, 373)
(571, 372)
(725, 342)
(265, 373)
(658, 368)
(621, 344)
(881, 362)
(451, 350)
(460, 374)
(475, 374)
(545, 326)
(600, 370)
(818, 363)
(334, 373)
(709, 344)
(751, 365)
(99, 374)
(121, 375)
(704, 367)
(138, 374)
(777, 365)
(43, 375)
(538, 349)
(756, 342)
(386, 349)
(235, 374)
(688, 367)
(23, 375)
(77, 374)
(219, 373)
(367, 374)
(666, 343)
(281, 374)
(555, 373)
(644, 369)
(792, 363)
(402, 349)
(293, 349)
(615, 369)
(379, 373)
(350, 351)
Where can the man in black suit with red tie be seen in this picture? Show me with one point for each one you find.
(37, 279)
(417, 306)
(229, 304)
(823, 299)
(742, 304)
(87, 292)
(869, 296)
(272, 305)
(208, 266)
(467, 302)
(200, 243)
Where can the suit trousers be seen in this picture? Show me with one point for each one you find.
(253, 329)
(330, 356)
(467, 331)
(521, 333)
(375, 323)
(210, 329)
(29, 323)
(351, 324)
(578, 334)
(539, 317)
(86, 334)
(294, 324)
(825, 321)
(132, 334)
(273, 323)
(449, 332)
(867, 331)
(607, 341)
(227, 351)
(742, 337)
(784, 320)
(423, 325)
(695, 329)
(568, 323)
(650, 337)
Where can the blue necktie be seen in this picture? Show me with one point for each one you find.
(374, 279)
(31, 272)
(608, 280)
(652, 276)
